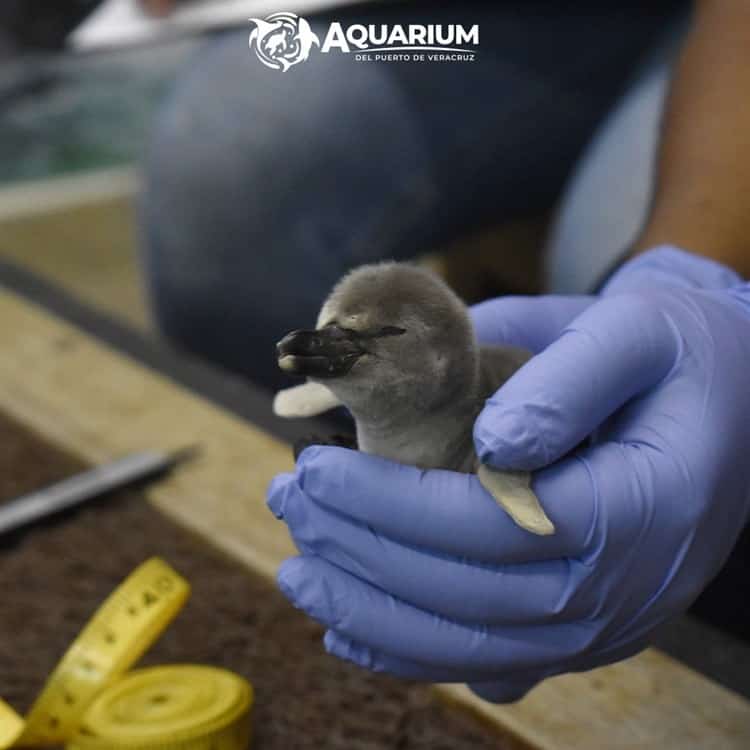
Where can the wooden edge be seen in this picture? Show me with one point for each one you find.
(37, 197)
(99, 404)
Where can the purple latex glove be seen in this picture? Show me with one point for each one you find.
(421, 573)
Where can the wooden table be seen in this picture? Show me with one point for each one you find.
(102, 399)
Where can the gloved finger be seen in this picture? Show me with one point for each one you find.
(614, 350)
(455, 588)
(379, 661)
(367, 615)
(512, 687)
(532, 323)
(502, 691)
(278, 490)
(442, 511)
(516, 685)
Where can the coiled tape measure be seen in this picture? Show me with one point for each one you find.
(90, 703)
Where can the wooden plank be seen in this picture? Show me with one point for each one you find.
(40, 197)
(648, 701)
(99, 404)
(88, 248)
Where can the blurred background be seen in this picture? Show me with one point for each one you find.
(73, 128)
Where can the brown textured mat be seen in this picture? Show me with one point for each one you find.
(53, 576)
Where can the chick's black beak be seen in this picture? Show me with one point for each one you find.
(328, 352)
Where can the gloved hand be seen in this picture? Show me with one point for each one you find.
(421, 574)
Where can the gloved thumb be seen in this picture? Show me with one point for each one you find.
(529, 322)
(614, 350)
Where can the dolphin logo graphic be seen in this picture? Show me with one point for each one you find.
(282, 40)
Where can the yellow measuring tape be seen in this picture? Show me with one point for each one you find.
(11, 725)
(170, 707)
(89, 704)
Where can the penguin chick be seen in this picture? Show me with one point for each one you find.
(395, 345)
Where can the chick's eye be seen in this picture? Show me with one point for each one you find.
(366, 334)
(391, 331)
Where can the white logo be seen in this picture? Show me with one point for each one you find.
(412, 38)
(282, 40)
